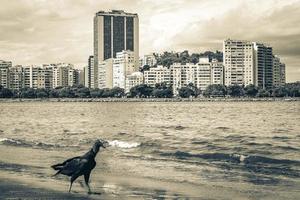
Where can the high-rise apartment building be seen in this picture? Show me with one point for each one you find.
(203, 75)
(217, 72)
(89, 73)
(248, 63)
(264, 65)
(16, 77)
(4, 73)
(239, 63)
(282, 74)
(114, 32)
(105, 74)
(276, 71)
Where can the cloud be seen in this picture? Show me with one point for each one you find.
(40, 31)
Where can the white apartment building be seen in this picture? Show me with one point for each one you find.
(203, 75)
(217, 72)
(16, 77)
(4, 73)
(62, 75)
(239, 62)
(133, 79)
(276, 71)
(37, 77)
(282, 74)
(105, 74)
(182, 75)
(157, 74)
(123, 65)
(72, 77)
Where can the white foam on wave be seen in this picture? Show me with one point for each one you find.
(122, 144)
(3, 140)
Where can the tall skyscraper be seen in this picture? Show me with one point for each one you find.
(264, 65)
(114, 32)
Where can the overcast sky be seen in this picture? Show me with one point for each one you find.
(50, 31)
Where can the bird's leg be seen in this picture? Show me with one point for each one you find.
(86, 179)
(73, 178)
(70, 187)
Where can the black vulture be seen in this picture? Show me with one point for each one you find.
(80, 165)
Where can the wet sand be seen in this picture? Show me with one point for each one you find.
(15, 190)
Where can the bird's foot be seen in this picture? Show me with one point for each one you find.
(94, 193)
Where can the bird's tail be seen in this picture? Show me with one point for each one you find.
(56, 173)
(57, 166)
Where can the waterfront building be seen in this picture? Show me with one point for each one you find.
(282, 74)
(37, 77)
(16, 77)
(239, 63)
(217, 72)
(156, 75)
(45, 77)
(80, 74)
(276, 71)
(132, 80)
(203, 75)
(182, 75)
(123, 65)
(105, 74)
(264, 65)
(4, 73)
(114, 32)
(64, 75)
(89, 73)
(72, 77)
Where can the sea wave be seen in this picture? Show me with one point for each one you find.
(25, 143)
(123, 144)
(247, 159)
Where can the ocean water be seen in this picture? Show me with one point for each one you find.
(202, 150)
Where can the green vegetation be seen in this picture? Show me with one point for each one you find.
(168, 58)
(161, 90)
(288, 90)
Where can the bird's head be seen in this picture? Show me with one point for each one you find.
(98, 144)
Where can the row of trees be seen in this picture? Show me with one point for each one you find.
(161, 90)
(143, 90)
(168, 58)
(288, 90)
(62, 92)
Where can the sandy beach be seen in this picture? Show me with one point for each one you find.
(14, 190)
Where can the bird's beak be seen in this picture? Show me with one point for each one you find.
(106, 144)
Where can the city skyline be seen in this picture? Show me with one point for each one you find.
(62, 31)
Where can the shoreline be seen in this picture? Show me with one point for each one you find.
(11, 189)
(215, 99)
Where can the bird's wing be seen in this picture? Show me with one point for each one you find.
(74, 166)
(61, 165)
